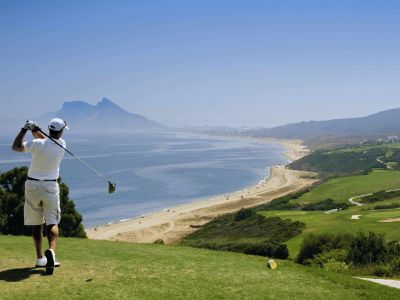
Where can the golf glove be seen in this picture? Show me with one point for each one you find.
(29, 125)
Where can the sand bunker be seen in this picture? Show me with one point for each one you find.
(355, 217)
(390, 220)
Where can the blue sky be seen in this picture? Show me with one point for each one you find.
(254, 63)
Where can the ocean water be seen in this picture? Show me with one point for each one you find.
(153, 171)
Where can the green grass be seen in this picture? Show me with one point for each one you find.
(105, 270)
(342, 188)
(340, 222)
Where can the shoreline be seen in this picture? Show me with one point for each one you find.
(170, 225)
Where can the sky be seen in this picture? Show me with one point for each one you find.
(218, 63)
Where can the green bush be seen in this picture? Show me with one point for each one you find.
(282, 203)
(367, 249)
(395, 265)
(336, 266)
(266, 249)
(389, 206)
(243, 214)
(326, 204)
(12, 185)
(316, 244)
(380, 196)
(383, 271)
(321, 259)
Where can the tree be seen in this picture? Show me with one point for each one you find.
(12, 207)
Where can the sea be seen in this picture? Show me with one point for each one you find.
(153, 170)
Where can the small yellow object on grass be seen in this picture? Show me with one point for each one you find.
(272, 264)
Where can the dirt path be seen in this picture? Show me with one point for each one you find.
(351, 200)
(388, 282)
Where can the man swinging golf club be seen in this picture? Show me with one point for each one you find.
(42, 193)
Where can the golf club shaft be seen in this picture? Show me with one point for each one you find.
(90, 167)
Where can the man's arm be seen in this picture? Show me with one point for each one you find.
(37, 134)
(17, 145)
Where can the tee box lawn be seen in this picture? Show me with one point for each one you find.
(114, 270)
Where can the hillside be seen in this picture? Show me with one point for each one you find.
(351, 160)
(380, 124)
(103, 270)
(104, 116)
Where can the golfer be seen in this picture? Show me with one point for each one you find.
(42, 193)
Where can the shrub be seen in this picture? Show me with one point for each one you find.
(315, 244)
(326, 204)
(383, 271)
(338, 255)
(266, 249)
(243, 214)
(380, 196)
(395, 266)
(336, 266)
(389, 206)
(367, 249)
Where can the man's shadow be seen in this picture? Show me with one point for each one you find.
(19, 274)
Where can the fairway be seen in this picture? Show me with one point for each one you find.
(340, 222)
(104, 270)
(342, 188)
(367, 147)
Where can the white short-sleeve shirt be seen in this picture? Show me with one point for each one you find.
(46, 158)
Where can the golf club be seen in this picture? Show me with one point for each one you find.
(111, 185)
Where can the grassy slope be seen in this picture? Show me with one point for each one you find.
(342, 188)
(99, 269)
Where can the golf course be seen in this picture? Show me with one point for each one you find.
(341, 189)
(103, 270)
(355, 218)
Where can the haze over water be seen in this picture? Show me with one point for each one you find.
(153, 171)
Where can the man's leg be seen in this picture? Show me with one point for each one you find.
(37, 231)
(52, 235)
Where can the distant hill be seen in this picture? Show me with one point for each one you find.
(379, 124)
(104, 116)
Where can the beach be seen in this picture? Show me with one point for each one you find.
(170, 225)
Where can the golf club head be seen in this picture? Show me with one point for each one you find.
(111, 187)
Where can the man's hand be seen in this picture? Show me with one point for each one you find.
(30, 125)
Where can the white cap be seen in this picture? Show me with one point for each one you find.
(57, 124)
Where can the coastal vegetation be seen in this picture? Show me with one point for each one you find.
(333, 163)
(12, 207)
(93, 269)
(360, 159)
(354, 254)
(246, 232)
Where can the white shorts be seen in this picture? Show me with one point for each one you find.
(42, 203)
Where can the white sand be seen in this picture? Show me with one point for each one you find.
(390, 220)
(355, 217)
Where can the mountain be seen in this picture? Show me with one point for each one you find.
(380, 124)
(104, 116)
